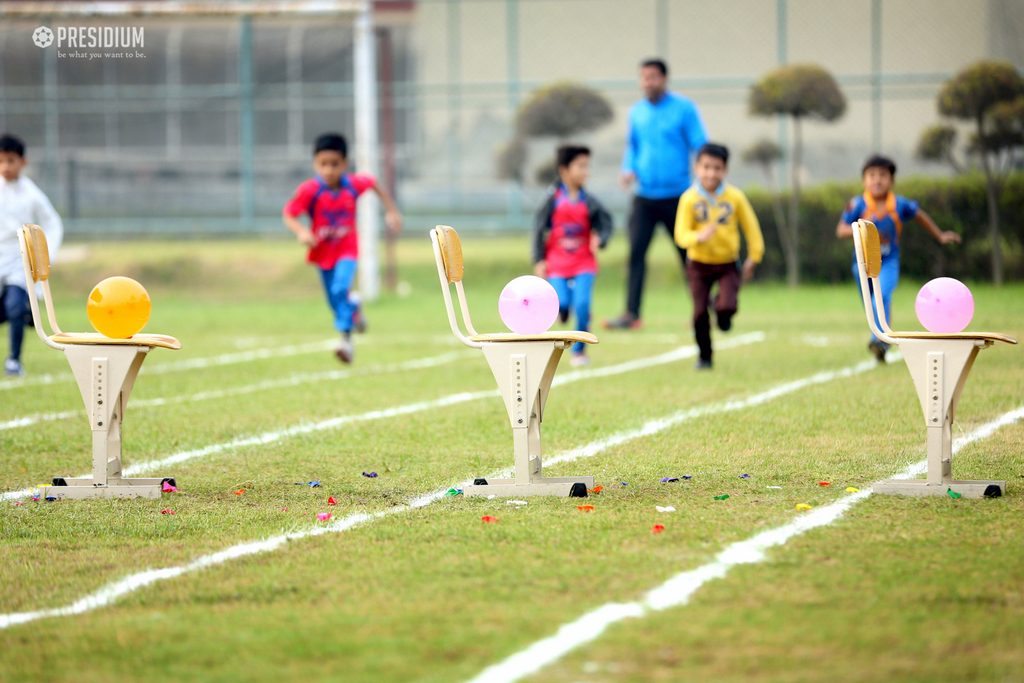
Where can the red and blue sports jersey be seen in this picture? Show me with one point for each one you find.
(568, 251)
(888, 218)
(332, 216)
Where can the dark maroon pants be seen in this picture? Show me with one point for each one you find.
(701, 277)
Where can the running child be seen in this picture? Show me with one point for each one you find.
(20, 202)
(329, 199)
(708, 223)
(888, 212)
(579, 225)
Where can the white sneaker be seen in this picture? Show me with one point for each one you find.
(13, 368)
(579, 360)
(345, 350)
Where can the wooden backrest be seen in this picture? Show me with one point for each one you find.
(37, 251)
(871, 247)
(451, 253)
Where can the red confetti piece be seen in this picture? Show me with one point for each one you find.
(167, 488)
(487, 519)
(17, 503)
(239, 492)
(323, 516)
(585, 508)
(657, 528)
(284, 509)
(597, 489)
(167, 512)
(824, 483)
(331, 501)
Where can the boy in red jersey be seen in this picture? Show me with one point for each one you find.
(579, 226)
(330, 200)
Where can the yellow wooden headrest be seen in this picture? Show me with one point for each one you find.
(38, 253)
(451, 252)
(871, 247)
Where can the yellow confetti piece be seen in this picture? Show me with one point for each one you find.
(803, 506)
(850, 489)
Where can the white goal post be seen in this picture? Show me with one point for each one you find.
(364, 80)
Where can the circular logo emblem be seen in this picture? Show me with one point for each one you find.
(42, 36)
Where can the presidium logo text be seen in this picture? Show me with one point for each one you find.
(93, 37)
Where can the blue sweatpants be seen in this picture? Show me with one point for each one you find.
(14, 307)
(888, 278)
(338, 285)
(575, 293)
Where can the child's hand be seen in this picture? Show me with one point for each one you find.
(393, 221)
(707, 233)
(595, 243)
(748, 270)
(308, 238)
(540, 269)
(949, 237)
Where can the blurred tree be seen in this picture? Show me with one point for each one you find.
(991, 95)
(800, 91)
(556, 110)
(766, 154)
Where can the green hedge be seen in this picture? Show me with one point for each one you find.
(956, 204)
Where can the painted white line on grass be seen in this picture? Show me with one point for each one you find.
(109, 593)
(289, 381)
(265, 438)
(191, 364)
(678, 589)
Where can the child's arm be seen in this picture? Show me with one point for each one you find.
(844, 230)
(304, 234)
(392, 216)
(752, 232)
(941, 236)
(684, 232)
(47, 218)
(600, 224)
(541, 223)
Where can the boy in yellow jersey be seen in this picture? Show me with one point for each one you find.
(708, 223)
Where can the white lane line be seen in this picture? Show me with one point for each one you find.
(678, 589)
(190, 364)
(109, 593)
(289, 381)
(265, 438)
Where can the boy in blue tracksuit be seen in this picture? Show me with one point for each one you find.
(888, 211)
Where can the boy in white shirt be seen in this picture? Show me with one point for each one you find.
(20, 202)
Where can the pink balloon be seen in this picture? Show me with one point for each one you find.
(944, 305)
(528, 305)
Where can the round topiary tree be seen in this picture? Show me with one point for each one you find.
(989, 94)
(800, 91)
(556, 110)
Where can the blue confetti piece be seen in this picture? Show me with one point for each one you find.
(687, 476)
(314, 484)
(668, 479)
(51, 498)
(625, 483)
(371, 475)
(744, 476)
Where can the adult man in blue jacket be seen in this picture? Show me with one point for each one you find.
(665, 129)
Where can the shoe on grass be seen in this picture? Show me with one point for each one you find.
(563, 315)
(878, 347)
(358, 317)
(702, 364)
(345, 351)
(13, 368)
(579, 360)
(626, 321)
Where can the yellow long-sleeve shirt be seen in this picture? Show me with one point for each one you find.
(731, 210)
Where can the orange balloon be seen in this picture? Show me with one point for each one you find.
(118, 307)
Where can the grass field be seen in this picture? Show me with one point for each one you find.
(403, 584)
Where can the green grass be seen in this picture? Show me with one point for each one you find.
(897, 589)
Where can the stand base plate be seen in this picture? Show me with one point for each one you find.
(921, 488)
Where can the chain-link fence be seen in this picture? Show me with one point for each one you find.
(149, 139)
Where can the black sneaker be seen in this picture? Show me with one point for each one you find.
(626, 321)
(702, 365)
(563, 315)
(878, 347)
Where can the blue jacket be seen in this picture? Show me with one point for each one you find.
(662, 137)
